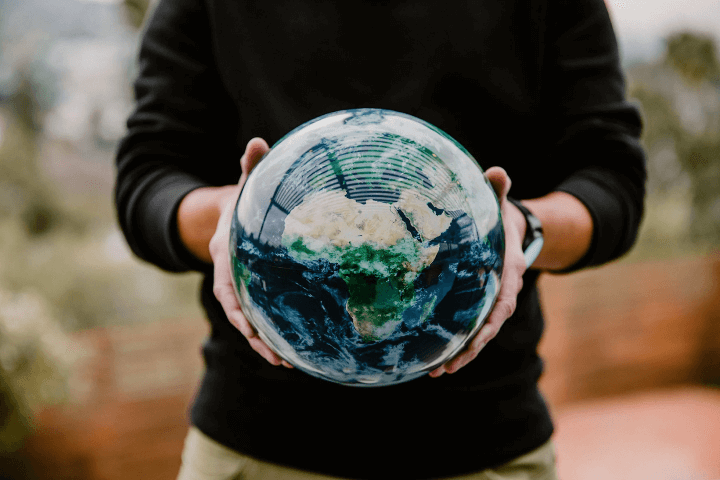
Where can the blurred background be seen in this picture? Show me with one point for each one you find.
(100, 353)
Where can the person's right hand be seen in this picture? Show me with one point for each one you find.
(220, 255)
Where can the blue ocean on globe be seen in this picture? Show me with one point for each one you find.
(367, 247)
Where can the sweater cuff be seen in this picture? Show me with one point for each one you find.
(607, 212)
(159, 207)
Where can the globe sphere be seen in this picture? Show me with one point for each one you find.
(367, 247)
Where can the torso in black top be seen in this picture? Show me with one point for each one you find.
(532, 86)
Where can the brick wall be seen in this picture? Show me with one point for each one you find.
(128, 420)
(613, 330)
(629, 327)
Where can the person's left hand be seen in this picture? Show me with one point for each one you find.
(513, 269)
(218, 247)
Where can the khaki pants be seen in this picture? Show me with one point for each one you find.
(205, 459)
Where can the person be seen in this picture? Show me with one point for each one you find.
(533, 89)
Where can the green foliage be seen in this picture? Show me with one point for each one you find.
(661, 121)
(680, 100)
(70, 249)
(64, 267)
(694, 56)
(700, 157)
(136, 11)
(35, 360)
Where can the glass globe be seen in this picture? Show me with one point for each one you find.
(367, 247)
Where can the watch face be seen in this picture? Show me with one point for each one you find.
(535, 229)
(533, 241)
(533, 250)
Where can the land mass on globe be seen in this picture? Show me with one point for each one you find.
(380, 249)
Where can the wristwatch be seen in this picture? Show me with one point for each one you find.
(533, 241)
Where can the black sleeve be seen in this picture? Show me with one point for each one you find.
(596, 130)
(182, 134)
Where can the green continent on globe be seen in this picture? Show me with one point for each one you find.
(377, 257)
(380, 284)
(242, 273)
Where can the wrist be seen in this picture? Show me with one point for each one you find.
(567, 228)
(198, 215)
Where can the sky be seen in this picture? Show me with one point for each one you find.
(641, 25)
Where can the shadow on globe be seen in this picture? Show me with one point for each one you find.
(367, 247)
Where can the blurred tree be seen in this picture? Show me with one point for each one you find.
(35, 360)
(63, 263)
(136, 11)
(700, 157)
(28, 209)
(23, 102)
(27, 196)
(694, 56)
(680, 99)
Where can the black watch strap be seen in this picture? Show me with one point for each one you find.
(533, 241)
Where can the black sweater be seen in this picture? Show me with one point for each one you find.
(533, 86)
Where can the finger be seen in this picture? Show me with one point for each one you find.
(261, 347)
(223, 288)
(226, 296)
(500, 181)
(503, 309)
(470, 352)
(225, 293)
(254, 151)
(487, 333)
(509, 289)
(238, 320)
(466, 356)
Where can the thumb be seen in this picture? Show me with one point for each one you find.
(499, 180)
(254, 151)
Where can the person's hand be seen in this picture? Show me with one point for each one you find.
(222, 281)
(513, 269)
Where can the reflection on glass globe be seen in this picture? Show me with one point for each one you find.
(367, 247)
